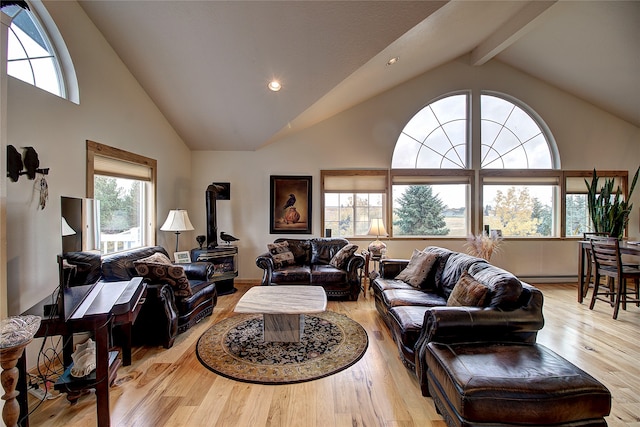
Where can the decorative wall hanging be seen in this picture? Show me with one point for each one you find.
(28, 164)
(290, 208)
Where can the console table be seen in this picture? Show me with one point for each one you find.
(225, 264)
(108, 303)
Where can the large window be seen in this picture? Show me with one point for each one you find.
(432, 196)
(124, 183)
(351, 199)
(31, 56)
(577, 220)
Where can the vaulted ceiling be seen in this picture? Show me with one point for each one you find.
(206, 64)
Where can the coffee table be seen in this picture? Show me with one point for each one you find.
(283, 308)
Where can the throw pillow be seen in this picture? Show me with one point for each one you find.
(157, 258)
(416, 272)
(468, 292)
(159, 272)
(281, 254)
(341, 258)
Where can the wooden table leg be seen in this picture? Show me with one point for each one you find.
(581, 257)
(102, 374)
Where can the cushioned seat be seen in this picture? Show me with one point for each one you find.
(479, 384)
(406, 329)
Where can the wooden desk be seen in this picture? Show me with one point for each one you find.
(625, 248)
(108, 302)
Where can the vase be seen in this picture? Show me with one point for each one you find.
(292, 216)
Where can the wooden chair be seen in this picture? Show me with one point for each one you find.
(608, 262)
(590, 263)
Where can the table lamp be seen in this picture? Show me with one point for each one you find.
(376, 229)
(177, 221)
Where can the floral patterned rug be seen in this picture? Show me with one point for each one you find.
(235, 348)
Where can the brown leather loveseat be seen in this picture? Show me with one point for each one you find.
(328, 262)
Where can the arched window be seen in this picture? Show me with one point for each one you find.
(438, 156)
(32, 56)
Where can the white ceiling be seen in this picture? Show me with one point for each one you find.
(206, 64)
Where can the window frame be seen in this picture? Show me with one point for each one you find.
(62, 63)
(97, 149)
(621, 175)
(355, 174)
(435, 176)
(522, 177)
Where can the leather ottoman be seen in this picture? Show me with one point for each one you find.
(479, 384)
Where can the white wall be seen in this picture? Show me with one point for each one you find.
(113, 110)
(364, 137)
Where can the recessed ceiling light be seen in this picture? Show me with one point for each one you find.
(275, 85)
(393, 60)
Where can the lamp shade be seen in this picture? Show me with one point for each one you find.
(377, 228)
(177, 220)
(66, 228)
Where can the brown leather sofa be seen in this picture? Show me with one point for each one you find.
(511, 305)
(312, 266)
(167, 310)
(481, 364)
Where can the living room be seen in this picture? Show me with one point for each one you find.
(114, 109)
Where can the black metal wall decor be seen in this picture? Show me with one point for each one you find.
(29, 166)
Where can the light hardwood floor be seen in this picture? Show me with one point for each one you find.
(171, 388)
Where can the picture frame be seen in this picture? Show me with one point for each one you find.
(290, 204)
(182, 257)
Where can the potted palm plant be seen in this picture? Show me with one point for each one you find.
(609, 212)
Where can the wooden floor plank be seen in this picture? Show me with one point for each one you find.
(169, 387)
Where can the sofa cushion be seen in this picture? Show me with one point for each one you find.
(456, 264)
(174, 275)
(294, 274)
(301, 249)
(399, 297)
(322, 250)
(468, 292)
(341, 258)
(380, 284)
(434, 280)
(281, 254)
(418, 268)
(504, 288)
(408, 320)
(327, 275)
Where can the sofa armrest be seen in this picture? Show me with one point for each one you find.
(475, 324)
(265, 262)
(390, 268)
(355, 263)
(198, 270)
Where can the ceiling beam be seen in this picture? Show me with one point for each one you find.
(510, 32)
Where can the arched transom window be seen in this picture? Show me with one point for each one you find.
(438, 158)
(31, 56)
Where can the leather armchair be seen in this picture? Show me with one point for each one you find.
(164, 314)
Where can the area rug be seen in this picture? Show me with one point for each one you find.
(235, 348)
